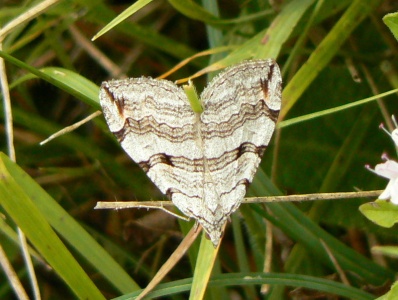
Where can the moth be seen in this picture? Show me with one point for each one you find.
(204, 161)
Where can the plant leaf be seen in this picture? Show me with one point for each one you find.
(381, 212)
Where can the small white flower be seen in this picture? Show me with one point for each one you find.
(389, 170)
(394, 136)
(394, 133)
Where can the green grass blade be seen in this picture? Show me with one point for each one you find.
(326, 50)
(194, 11)
(333, 110)
(19, 205)
(204, 267)
(65, 225)
(268, 43)
(101, 14)
(123, 16)
(243, 279)
(66, 80)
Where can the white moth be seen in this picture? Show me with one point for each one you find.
(203, 162)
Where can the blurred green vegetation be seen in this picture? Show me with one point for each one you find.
(331, 53)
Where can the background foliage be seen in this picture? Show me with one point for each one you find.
(331, 53)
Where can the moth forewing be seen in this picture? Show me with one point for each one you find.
(204, 160)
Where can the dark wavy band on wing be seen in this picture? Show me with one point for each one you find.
(209, 130)
(118, 94)
(162, 130)
(246, 113)
(197, 165)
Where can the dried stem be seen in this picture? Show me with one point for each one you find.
(268, 199)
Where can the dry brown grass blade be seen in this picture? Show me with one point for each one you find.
(172, 261)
